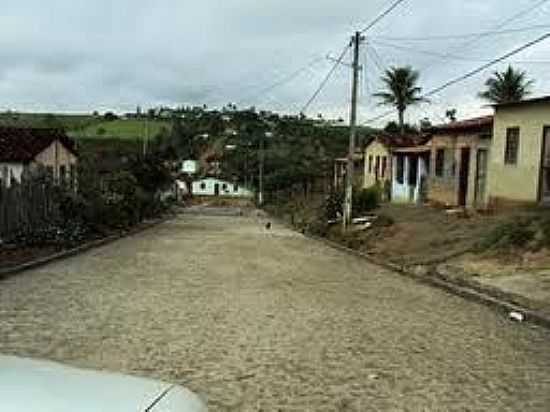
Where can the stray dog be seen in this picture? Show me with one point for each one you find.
(268, 225)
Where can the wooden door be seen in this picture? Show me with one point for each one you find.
(464, 176)
(545, 168)
(481, 176)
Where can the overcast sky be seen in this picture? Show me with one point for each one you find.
(83, 55)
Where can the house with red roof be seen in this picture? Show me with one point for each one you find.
(459, 155)
(24, 150)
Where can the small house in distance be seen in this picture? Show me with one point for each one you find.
(459, 158)
(395, 161)
(213, 186)
(26, 149)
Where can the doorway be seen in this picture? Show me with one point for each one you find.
(463, 176)
(216, 189)
(481, 177)
(545, 168)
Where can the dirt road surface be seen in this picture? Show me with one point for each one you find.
(257, 320)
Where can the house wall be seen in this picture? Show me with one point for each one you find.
(56, 156)
(209, 188)
(9, 171)
(519, 182)
(372, 151)
(445, 189)
(401, 192)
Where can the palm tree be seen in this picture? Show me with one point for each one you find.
(507, 86)
(401, 91)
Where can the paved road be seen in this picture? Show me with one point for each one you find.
(267, 321)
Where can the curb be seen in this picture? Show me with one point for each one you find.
(465, 289)
(13, 270)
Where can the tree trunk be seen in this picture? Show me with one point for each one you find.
(402, 122)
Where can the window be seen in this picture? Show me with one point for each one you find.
(440, 162)
(49, 173)
(370, 164)
(203, 186)
(224, 186)
(72, 176)
(377, 167)
(384, 167)
(5, 175)
(512, 146)
(400, 169)
(62, 174)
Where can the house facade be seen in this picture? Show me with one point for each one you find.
(378, 157)
(519, 166)
(411, 166)
(393, 162)
(459, 162)
(212, 186)
(25, 150)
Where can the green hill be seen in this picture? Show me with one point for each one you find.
(123, 129)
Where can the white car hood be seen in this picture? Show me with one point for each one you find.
(38, 386)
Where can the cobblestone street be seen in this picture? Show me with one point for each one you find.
(257, 320)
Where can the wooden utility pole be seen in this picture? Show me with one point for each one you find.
(357, 39)
(261, 171)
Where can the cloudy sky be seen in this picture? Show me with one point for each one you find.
(83, 55)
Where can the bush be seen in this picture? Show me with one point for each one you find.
(514, 234)
(366, 200)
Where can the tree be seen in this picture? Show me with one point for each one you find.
(401, 91)
(451, 115)
(507, 86)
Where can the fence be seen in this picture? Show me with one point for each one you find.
(25, 206)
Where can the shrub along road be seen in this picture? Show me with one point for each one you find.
(269, 320)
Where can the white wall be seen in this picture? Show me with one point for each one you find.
(401, 193)
(209, 188)
(9, 170)
(189, 166)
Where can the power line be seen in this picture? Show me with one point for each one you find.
(501, 24)
(448, 56)
(469, 74)
(326, 79)
(376, 58)
(485, 66)
(465, 35)
(382, 15)
(521, 13)
(284, 80)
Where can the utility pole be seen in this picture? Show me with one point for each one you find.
(356, 41)
(261, 171)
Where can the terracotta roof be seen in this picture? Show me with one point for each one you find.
(22, 145)
(399, 140)
(474, 124)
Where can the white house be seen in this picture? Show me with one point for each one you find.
(25, 149)
(211, 186)
(410, 173)
(190, 166)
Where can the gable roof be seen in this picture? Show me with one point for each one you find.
(22, 145)
(468, 125)
(398, 140)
